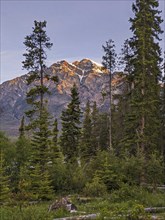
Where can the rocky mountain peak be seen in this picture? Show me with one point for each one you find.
(89, 76)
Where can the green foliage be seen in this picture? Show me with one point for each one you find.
(108, 168)
(22, 127)
(36, 43)
(123, 213)
(95, 188)
(21, 158)
(59, 175)
(137, 194)
(95, 132)
(78, 179)
(132, 168)
(103, 131)
(40, 184)
(4, 181)
(108, 173)
(109, 62)
(155, 170)
(162, 132)
(85, 162)
(86, 136)
(109, 59)
(143, 119)
(70, 136)
(55, 132)
(35, 212)
(60, 213)
(23, 150)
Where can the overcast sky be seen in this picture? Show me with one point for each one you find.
(77, 29)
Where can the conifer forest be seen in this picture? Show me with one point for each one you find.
(108, 164)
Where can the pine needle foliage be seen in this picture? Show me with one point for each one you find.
(70, 135)
(143, 119)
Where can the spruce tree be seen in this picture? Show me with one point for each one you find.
(109, 60)
(22, 128)
(70, 134)
(4, 180)
(143, 121)
(55, 132)
(103, 131)
(40, 159)
(127, 54)
(145, 97)
(95, 132)
(86, 137)
(36, 45)
(123, 111)
(55, 150)
(162, 139)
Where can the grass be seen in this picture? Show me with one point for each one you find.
(124, 204)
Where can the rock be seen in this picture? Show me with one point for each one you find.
(63, 203)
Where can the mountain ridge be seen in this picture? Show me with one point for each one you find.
(91, 79)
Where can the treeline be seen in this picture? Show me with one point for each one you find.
(94, 153)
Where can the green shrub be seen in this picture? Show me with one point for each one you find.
(35, 212)
(125, 193)
(95, 188)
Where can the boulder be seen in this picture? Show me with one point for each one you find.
(63, 203)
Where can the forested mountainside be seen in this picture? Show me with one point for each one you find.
(91, 79)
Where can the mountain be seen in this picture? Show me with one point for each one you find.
(90, 77)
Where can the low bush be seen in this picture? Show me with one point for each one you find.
(95, 188)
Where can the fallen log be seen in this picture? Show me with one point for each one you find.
(154, 209)
(81, 217)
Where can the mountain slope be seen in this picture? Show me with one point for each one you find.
(89, 76)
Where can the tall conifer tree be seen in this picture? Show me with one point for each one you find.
(22, 128)
(86, 137)
(36, 45)
(162, 140)
(95, 132)
(70, 135)
(145, 100)
(55, 153)
(4, 180)
(109, 60)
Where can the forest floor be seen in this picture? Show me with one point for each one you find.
(112, 206)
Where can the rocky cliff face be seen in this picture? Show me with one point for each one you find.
(89, 76)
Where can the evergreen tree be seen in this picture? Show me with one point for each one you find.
(86, 137)
(109, 175)
(22, 156)
(143, 121)
(55, 132)
(70, 136)
(123, 112)
(22, 128)
(146, 73)
(95, 133)
(109, 63)
(103, 131)
(162, 140)
(55, 150)
(36, 45)
(4, 180)
(127, 54)
(118, 123)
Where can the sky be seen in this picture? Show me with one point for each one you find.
(77, 29)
